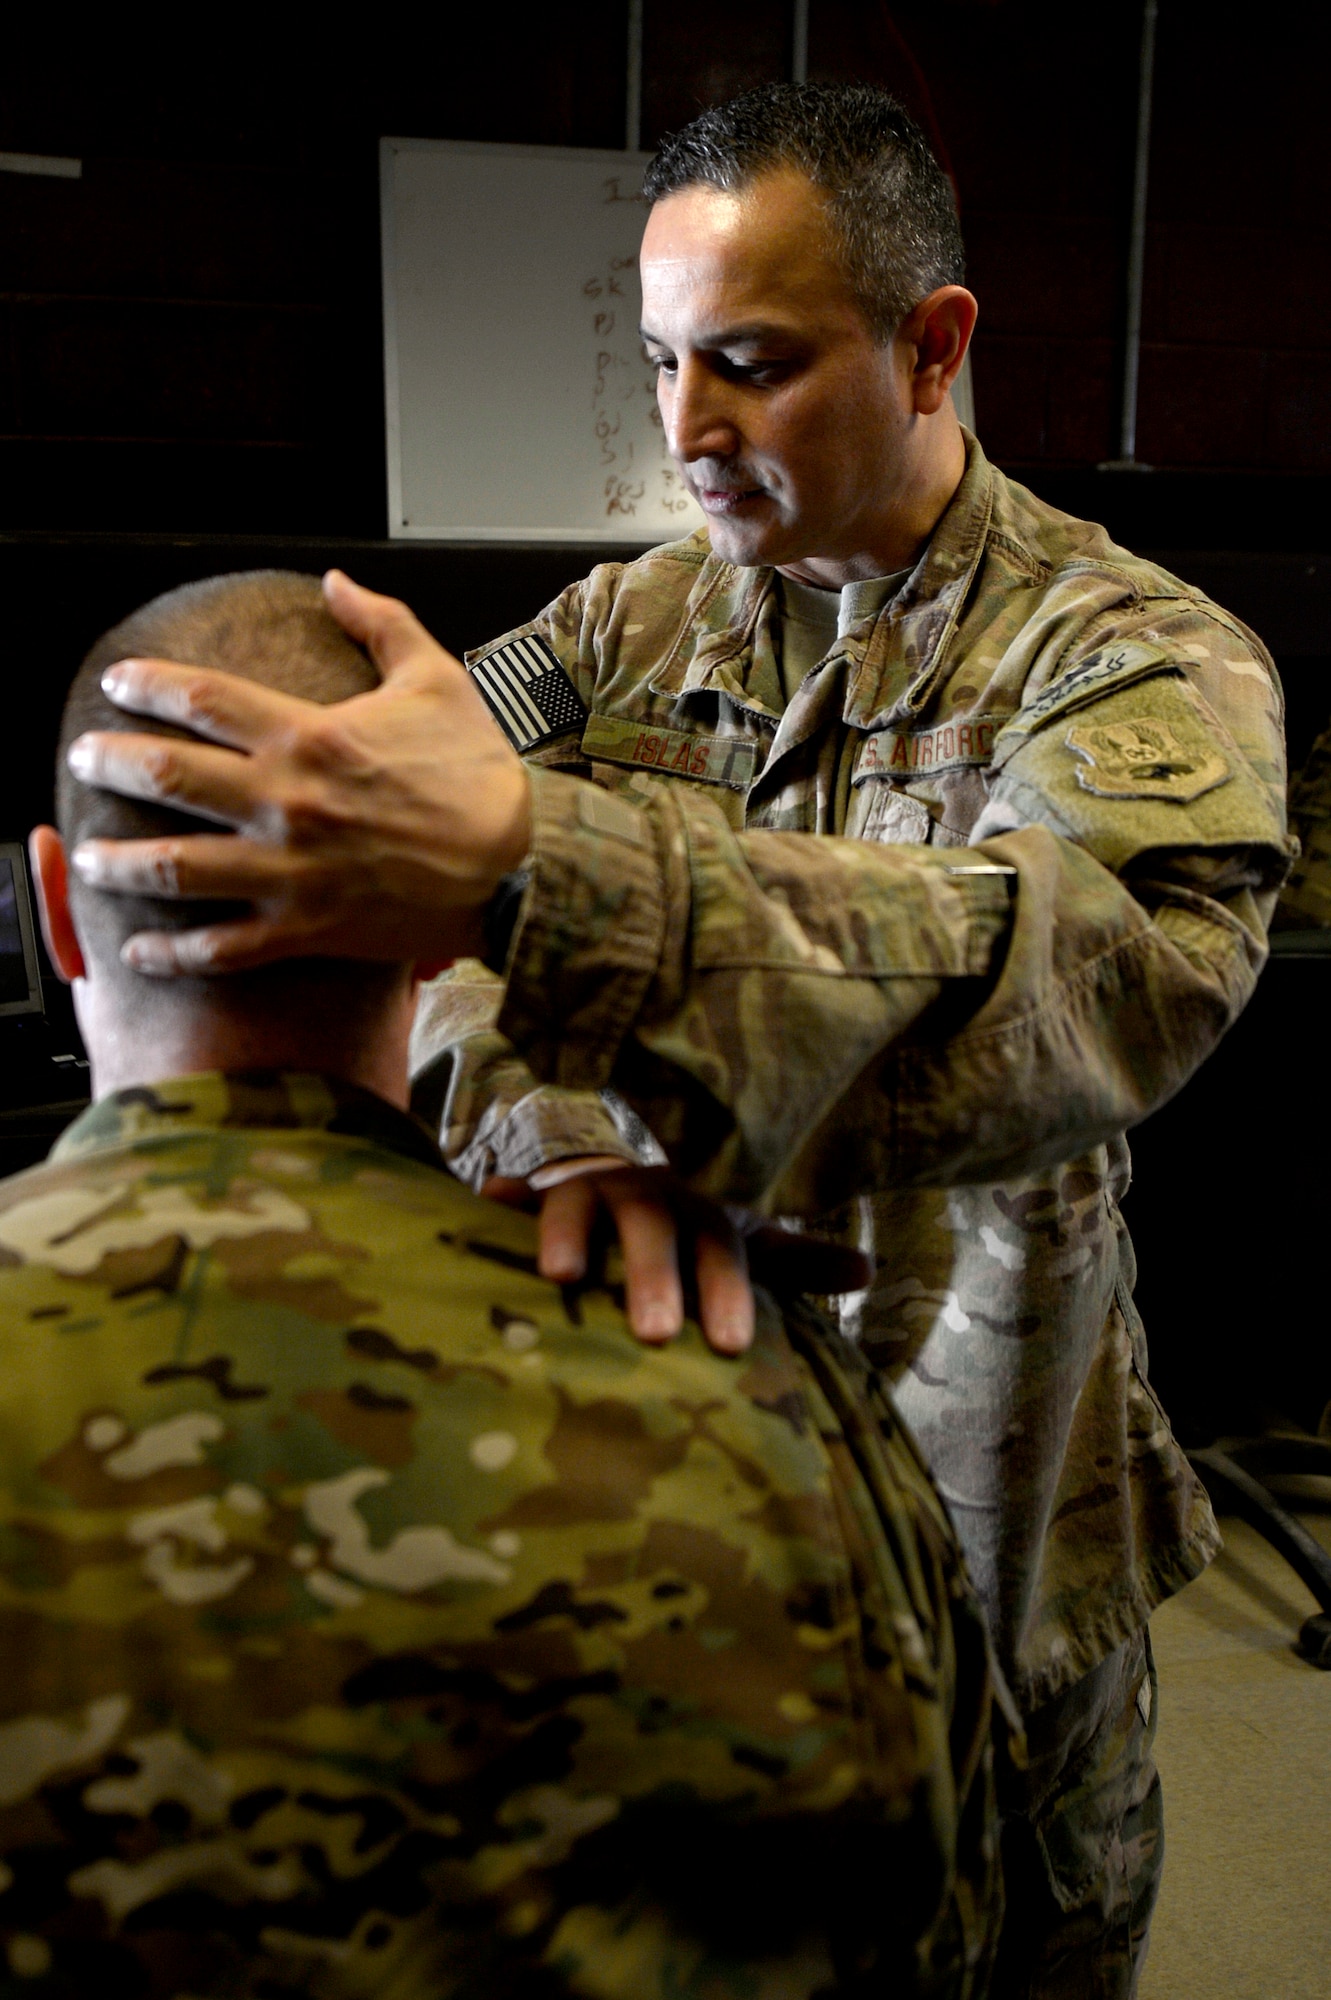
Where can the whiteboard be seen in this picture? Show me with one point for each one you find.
(519, 404)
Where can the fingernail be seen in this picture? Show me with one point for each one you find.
(162, 957)
(149, 955)
(113, 680)
(655, 1322)
(79, 757)
(84, 860)
(731, 1338)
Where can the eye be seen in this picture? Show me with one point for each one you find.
(664, 364)
(762, 374)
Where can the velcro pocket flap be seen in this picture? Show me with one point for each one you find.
(1100, 673)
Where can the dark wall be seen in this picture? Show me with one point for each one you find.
(1038, 108)
(190, 337)
(1228, 1212)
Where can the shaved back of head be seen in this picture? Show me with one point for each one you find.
(267, 626)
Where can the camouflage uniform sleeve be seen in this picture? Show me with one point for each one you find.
(800, 1020)
(492, 1116)
(468, 1081)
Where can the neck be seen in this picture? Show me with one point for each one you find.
(927, 470)
(183, 1039)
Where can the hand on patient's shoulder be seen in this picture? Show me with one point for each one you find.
(375, 828)
(681, 1253)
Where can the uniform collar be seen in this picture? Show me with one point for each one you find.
(896, 661)
(262, 1099)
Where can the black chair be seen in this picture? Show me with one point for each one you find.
(1234, 1471)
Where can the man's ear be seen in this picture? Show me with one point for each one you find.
(426, 969)
(50, 872)
(939, 328)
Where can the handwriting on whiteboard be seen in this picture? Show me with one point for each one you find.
(626, 423)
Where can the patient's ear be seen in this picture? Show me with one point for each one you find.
(50, 872)
(426, 969)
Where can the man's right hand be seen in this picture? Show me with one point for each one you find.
(376, 828)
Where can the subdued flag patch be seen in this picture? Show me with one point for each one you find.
(528, 692)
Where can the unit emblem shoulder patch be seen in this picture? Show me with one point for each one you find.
(1144, 757)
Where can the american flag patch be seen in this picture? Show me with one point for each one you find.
(528, 692)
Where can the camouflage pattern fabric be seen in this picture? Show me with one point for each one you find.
(1083, 1838)
(937, 1062)
(378, 1619)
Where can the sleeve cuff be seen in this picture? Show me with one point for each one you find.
(544, 1126)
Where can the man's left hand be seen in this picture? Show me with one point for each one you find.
(681, 1252)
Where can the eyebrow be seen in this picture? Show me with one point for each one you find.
(730, 336)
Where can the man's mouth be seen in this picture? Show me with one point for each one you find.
(726, 499)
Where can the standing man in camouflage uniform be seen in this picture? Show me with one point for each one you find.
(378, 1619)
(1046, 784)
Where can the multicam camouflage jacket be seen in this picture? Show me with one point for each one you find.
(1063, 772)
(378, 1619)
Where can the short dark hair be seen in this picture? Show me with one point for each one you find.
(269, 626)
(891, 206)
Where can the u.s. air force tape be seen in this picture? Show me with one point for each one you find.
(528, 692)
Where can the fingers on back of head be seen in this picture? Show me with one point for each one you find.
(221, 707)
(218, 948)
(222, 867)
(192, 777)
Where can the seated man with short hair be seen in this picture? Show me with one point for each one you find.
(378, 1618)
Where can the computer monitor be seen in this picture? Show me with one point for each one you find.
(20, 978)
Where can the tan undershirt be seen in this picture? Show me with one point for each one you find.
(812, 620)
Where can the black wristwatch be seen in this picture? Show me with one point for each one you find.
(501, 918)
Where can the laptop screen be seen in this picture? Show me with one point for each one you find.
(20, 980)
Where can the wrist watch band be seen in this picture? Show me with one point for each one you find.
(500, 919)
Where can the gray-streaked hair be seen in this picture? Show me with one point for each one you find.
(891, 206)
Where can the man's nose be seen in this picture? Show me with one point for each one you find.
(695, 411)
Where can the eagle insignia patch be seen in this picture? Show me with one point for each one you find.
(1142, 757)
(527, 691)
